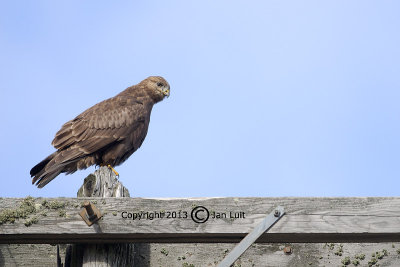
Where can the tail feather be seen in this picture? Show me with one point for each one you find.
(41, 174)
(47, 178)
(57, 163)
(40, 166)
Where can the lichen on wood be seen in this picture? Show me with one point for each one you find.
(26, 208)
(53, 204)
(31, 211)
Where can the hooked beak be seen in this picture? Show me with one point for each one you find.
(166, 92)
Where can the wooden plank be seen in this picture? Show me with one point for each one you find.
(210, 254)
(304, 254)
(29, 255)
(306, 220)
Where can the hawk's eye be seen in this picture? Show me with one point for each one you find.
(160, 84)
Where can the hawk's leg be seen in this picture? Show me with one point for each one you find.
(110, 167)
(116, 173)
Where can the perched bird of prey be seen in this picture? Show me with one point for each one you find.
(105, 134)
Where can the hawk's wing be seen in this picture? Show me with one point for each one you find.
(100, 126)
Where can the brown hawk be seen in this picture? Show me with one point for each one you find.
(105, 134)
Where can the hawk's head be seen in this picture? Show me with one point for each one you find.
(157, 87)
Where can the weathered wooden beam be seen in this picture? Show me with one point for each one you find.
(210, 254)
(265, 255)
(15, 255)
(306, 220)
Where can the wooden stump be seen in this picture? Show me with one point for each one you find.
(102, 183)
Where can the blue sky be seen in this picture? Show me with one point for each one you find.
(268, 98)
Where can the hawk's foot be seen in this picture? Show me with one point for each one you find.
(116, 173)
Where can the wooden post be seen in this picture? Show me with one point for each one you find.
(102, 183)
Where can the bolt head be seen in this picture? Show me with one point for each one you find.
(277, 213)
(288, 250)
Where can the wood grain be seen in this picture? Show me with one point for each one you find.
(306, 220)
(103, 183)
(210, 254)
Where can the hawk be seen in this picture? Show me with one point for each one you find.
(105, 134)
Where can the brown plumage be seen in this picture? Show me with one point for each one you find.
(107, 133)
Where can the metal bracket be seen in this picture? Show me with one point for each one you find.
(250, 238)
(90, 214)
